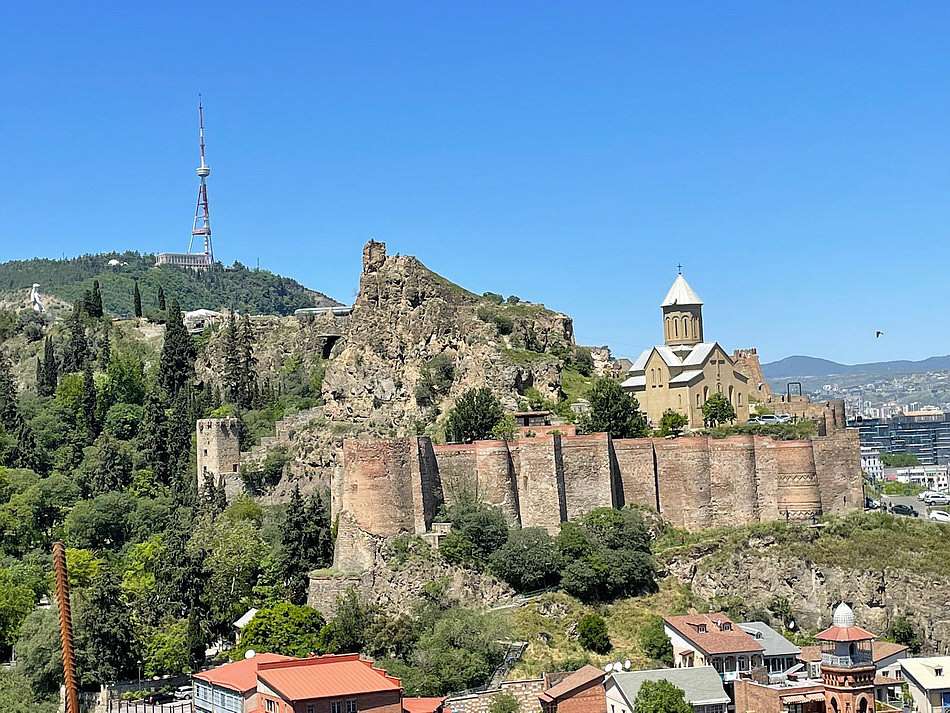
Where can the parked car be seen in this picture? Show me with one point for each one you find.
(939, 516)
(871, 504)
(926, 494)
(901, 509)
(937, 499)
(767, 419)
(159, 697)
(183, 693)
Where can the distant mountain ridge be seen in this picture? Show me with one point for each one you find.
(235, 286)
(813, 366)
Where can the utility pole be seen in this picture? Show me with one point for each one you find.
(65, 627)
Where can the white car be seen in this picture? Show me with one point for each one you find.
(937, 499)
(771, 418)
(939, 516)
(182, 693)
(926, 494)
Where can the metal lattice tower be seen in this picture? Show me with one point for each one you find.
(202, 224)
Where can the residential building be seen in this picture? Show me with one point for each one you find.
(931, 477)
(713, 640)
(231, 688)
(793, 695)
(925, 435)
(871, 463)
(578, 692)
(684, 371)
(701, 685)
(778, 653)
(928, 682)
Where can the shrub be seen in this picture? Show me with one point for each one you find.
(528, 560)
(655, 643)
(435, 380)
(672, 423)
(592, 633)
(504, 702)
(474, 415)
(903, 632)
(477, 532)
(583, 361)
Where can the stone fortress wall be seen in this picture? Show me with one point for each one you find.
(694, 482)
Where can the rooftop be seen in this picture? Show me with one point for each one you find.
(773, 642)
(713, 633)
(932, 673)
(880, 650)
(701, 684)
(422, 705)
(326, 676)
(581, 677)
(681, 293)
(240, 676)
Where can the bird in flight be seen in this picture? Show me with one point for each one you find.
(878, 334)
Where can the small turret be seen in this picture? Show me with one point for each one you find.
(682, 314)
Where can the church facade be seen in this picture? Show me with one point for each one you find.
(684, 371)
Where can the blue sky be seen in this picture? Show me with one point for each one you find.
(794, 157)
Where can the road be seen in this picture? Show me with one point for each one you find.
(921, 509)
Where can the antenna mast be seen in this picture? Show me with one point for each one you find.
(202, 223)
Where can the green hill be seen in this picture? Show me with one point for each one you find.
(255, 291)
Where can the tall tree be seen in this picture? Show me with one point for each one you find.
(9, 418)
(105, 646)
(48, 374)
(180, 429)
(88, 416)
(136, 300)
(25, 453)
(474, 415)
(293, 542)
(176, 368)
(614, 410)
(161, 298)
(76, 351)
(94, 305)
(153, 438)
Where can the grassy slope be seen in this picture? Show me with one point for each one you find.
(256, 291)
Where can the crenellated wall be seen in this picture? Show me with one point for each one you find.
(695, 482)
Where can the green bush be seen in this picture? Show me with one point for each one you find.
(655, 643)
(504, 702)
(592, 634)
(528, 560)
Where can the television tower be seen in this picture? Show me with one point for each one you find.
(202, 224)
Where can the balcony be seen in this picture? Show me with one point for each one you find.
(858, 658)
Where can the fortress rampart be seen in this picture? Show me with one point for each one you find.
(694, 482)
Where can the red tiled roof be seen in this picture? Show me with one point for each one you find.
(325, 677)
(422, 705)
(240, 676)
(881, 650)
(581, 677)
(714, 640)
(845, 633)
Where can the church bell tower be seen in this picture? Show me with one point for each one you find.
(682, 315)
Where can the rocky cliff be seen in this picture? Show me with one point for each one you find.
(882, 566)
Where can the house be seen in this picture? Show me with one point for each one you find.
(928, 682)
(713, 640)
(701, 685)
(578, 692)
(778, 654)
(231, 688)
(799, 695)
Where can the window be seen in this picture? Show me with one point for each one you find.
(701, 628)
(271, 706)
(310, 708)
(938, 672)
(351, 706)
(336, 707)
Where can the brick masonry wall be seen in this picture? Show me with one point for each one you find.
(732, 481)
(683, 466)
(540, 483)
(526, 692)
(377, 484)
(798, 497)
(838, 465)
(324, 592)
(634, 461)
(766, 478)
(495, 478)
(587, 473)
(457, 470)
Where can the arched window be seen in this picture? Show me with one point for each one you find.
(686, 327)
(732, 395)
(698, 400)
(696, 328)
(676, 328)
(705, 394)
(739, 398)
(863, 706)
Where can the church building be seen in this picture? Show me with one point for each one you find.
(684, 371)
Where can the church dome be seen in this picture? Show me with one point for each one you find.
(681, 294)
(843, 616)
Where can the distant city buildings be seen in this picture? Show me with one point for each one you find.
(925, 434)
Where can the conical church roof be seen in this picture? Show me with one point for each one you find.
(681, 294)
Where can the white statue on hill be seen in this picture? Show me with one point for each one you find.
(35, 302)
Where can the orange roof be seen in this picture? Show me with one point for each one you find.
(713, 633)
(422, 705)
(240, 676)
(581, 677)
(845, 633)
(881, 650)
(326, 676)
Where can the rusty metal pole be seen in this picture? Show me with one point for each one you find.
(65, 627)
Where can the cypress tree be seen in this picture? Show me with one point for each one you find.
(9, 417)
(25, 453)
(153, 438)
(232, 373)
(89, 416)
(136, 300)
(178, 446)
(161, 298)
(248, 363)
(293, 561)
(77, 349)
(47, 375)
(317, 536)
(176, 368)
(94, 306)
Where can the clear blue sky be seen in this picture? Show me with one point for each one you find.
(795, 158)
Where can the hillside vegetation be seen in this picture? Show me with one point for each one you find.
(237, 287)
